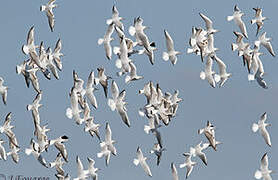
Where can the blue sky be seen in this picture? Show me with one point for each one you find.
(232, 109)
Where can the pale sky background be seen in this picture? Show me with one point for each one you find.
(79, 24)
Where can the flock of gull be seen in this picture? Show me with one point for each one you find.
(160, 108)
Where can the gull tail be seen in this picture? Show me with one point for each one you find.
(200, 131)
(229, 18)
(255, 127)
(251, 77)
(109, 21)
(141, 51)
(25, 49)
(141, 113)
(182, 165)
(127, 79)
(118, 63)
(102, 144)
(234, 46)
(147, 129)
(100, 41)
(116, 50)
(119, 73)
(29, 107)
(217, 78)
(190, 50)
(111, 103)
(136, 162)
(99, 155)
(28, 151)
(96, 80)
(258, 174)
(165, 56)
(42, 8)
(203, 75)
(69, 113)
(253, 21)
(132, 30)
(240, 53)
(18, 69)
(52, 164)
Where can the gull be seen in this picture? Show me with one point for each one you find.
(3, 154)
(74, 111)
(43, 142)
(48, 8)
(152, 121)
(157, 150)
(34, 107)
(265, 42)
(208, 73)
(90, 90)
(259, 19)
(136, 29)
(57, 54)
(261, 125)
(123, 61)
(92, 171)
(30, 46)
(34, 151)
(188, 164)
(103, 80)
(51, 64)
(174, 172)
(201, 41)
(118, 103)
(193, 43)
(239, 45)
(133, 74)
(197, 151)
(90, 126)
(130, 44)
(78, 86)
(3, 91)
(156, 133)
(254, 66)
(58, 164)
(115, 19)
(146, 91)
(171, 52)
(209, 132)
(223, 75)
(59, 144)
(264, 172)
(142, 160)
(247, 56)
(108, 140)
(21, 69)
(175, 100)
(14, 149)
(81, 173)
(7, 128)
(104, 152)
(237, 19)
(34, 79)
(42, 62)
(106, 41)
